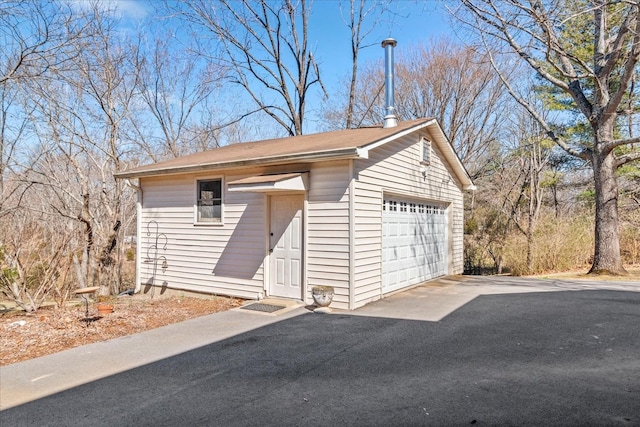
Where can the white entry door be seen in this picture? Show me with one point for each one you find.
(285, 240)
(414, 243)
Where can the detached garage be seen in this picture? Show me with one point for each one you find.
(368, 211)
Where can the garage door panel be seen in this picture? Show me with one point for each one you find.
(414, 243)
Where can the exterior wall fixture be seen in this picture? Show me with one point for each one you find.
(152, 251)
(165, 264)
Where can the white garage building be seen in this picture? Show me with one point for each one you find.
(368, 211)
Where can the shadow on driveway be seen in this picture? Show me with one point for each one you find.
(559, 358)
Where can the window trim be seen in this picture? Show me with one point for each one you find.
(197, 198)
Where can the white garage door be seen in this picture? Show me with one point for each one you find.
(414, 243)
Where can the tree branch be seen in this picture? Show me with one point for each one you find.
(629, 67)
(503, 24)
(627, 158)
(543, 123)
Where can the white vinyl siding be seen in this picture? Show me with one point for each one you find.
(396, 169)
(328, 230)
(227, 259)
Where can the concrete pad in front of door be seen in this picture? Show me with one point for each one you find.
(431, 302)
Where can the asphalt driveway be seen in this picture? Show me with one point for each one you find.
(547, 358)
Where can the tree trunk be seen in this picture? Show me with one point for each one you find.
(352, 90)
(530, 242)
(533, 200)
(556, 205)
(606, 259)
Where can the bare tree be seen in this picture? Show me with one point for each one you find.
(82, 115)
(13, 126)
(32, 263)
(265, 44)
(360, 11)
(490, 223)
(38, 37)
(40, 40)
(368, 105)
(511, 196)
(531, 155)
(108, 82)
(175, 85)
(450, 82)
(456, 85)
(597, 73)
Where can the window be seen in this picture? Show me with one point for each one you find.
(209, 207)
(426, 151)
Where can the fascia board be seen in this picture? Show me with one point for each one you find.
(343, 154)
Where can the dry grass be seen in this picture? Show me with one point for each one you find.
(632, 276)
(559, 245)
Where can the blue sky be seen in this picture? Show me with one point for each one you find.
(410, 22)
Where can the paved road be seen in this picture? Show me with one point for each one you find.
(550, 358)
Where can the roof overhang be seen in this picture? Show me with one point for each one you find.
(271, 183)
(346, 144)
(342, 154)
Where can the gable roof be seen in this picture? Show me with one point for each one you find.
(341, 144)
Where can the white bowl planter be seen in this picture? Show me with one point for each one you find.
(322, 295)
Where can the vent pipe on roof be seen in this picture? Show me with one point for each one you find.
(390, 119)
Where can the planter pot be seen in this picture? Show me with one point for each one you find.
(105, 308)
(322, 295)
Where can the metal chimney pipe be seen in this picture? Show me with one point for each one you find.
(390, 119)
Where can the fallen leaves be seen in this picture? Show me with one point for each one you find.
(27, 336)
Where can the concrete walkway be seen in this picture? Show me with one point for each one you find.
(32, 379)
(37, 378)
